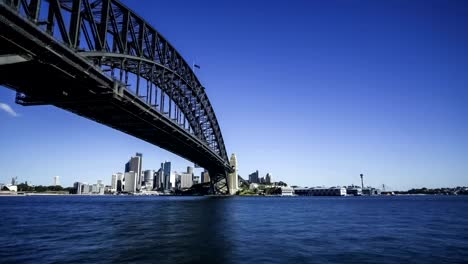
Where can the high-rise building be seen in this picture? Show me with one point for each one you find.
(140, 174)
(114, 183)
(205, 176)
(56, 181)
(253, 177)
(190, 170)
(268, 178)
(85, 188)
(167, 175)
(134, 164)
(186, 180)
(158, 179)
(78, 186)
(196, 179)
(233, 181)
(120, 182)
(130, 182)
(148, 179)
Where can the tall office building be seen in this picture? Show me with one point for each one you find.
(185, 180)
(148, 179)
(78, 186)
(120, 182)
(190, 170)
(233, 181)
(268, 178)
(114, 182)
(167, 175)
(196, 179)
(158, 179)
(140, 173)
(130, 182)
(56, 181)
(134, 164)
(205, 176)
(253, 177)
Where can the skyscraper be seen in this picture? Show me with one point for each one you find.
(190, 170)
(233, 181)
(130, 182)
(268, 178)
(148, 179)
(253, 177)
(114, 182)
(134, 164)
(205, 176)
(78, 187)
(140, 174)
(166, 173)
(120, 182)
(116, 177)
(158, 179)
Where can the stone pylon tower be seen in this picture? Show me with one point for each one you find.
(233, 181)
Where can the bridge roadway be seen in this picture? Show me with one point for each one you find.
(44, 71)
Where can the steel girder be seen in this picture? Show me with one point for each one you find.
(110, 34)
(120, 44)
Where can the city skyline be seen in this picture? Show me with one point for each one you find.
(312, 105)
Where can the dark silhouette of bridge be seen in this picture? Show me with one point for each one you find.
(100, 60)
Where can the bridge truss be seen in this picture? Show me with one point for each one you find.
(129, 71)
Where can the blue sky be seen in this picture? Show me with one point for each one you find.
(314, 92)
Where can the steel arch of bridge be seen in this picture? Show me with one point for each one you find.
(130, 51)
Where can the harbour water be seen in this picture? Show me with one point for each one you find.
(136, 229)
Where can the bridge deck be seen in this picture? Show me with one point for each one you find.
(56, 75)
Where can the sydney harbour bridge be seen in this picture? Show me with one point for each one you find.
(102, 61)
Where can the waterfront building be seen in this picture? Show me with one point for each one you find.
(140, 175)
(134, 164)
(120, 182)
(100, 187)
(253, 177)
(354, 190)
(287, 191)
(94, 188)
(81, 188)
(167, 175)
(253, 186)
(321, 191)
(205, 176)
(370, 191)
(185, 180)
(196, 179)
(56, 181)
(131, 179)
(148, 179)
(113, 187)
(233, 181)
(8, 188)
(190, 170)
(158, 179)
(78, 188)
(116, 177)
(268, 178)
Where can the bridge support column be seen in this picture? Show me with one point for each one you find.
(219, 183)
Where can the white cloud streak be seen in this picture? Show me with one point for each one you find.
(8, 109)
